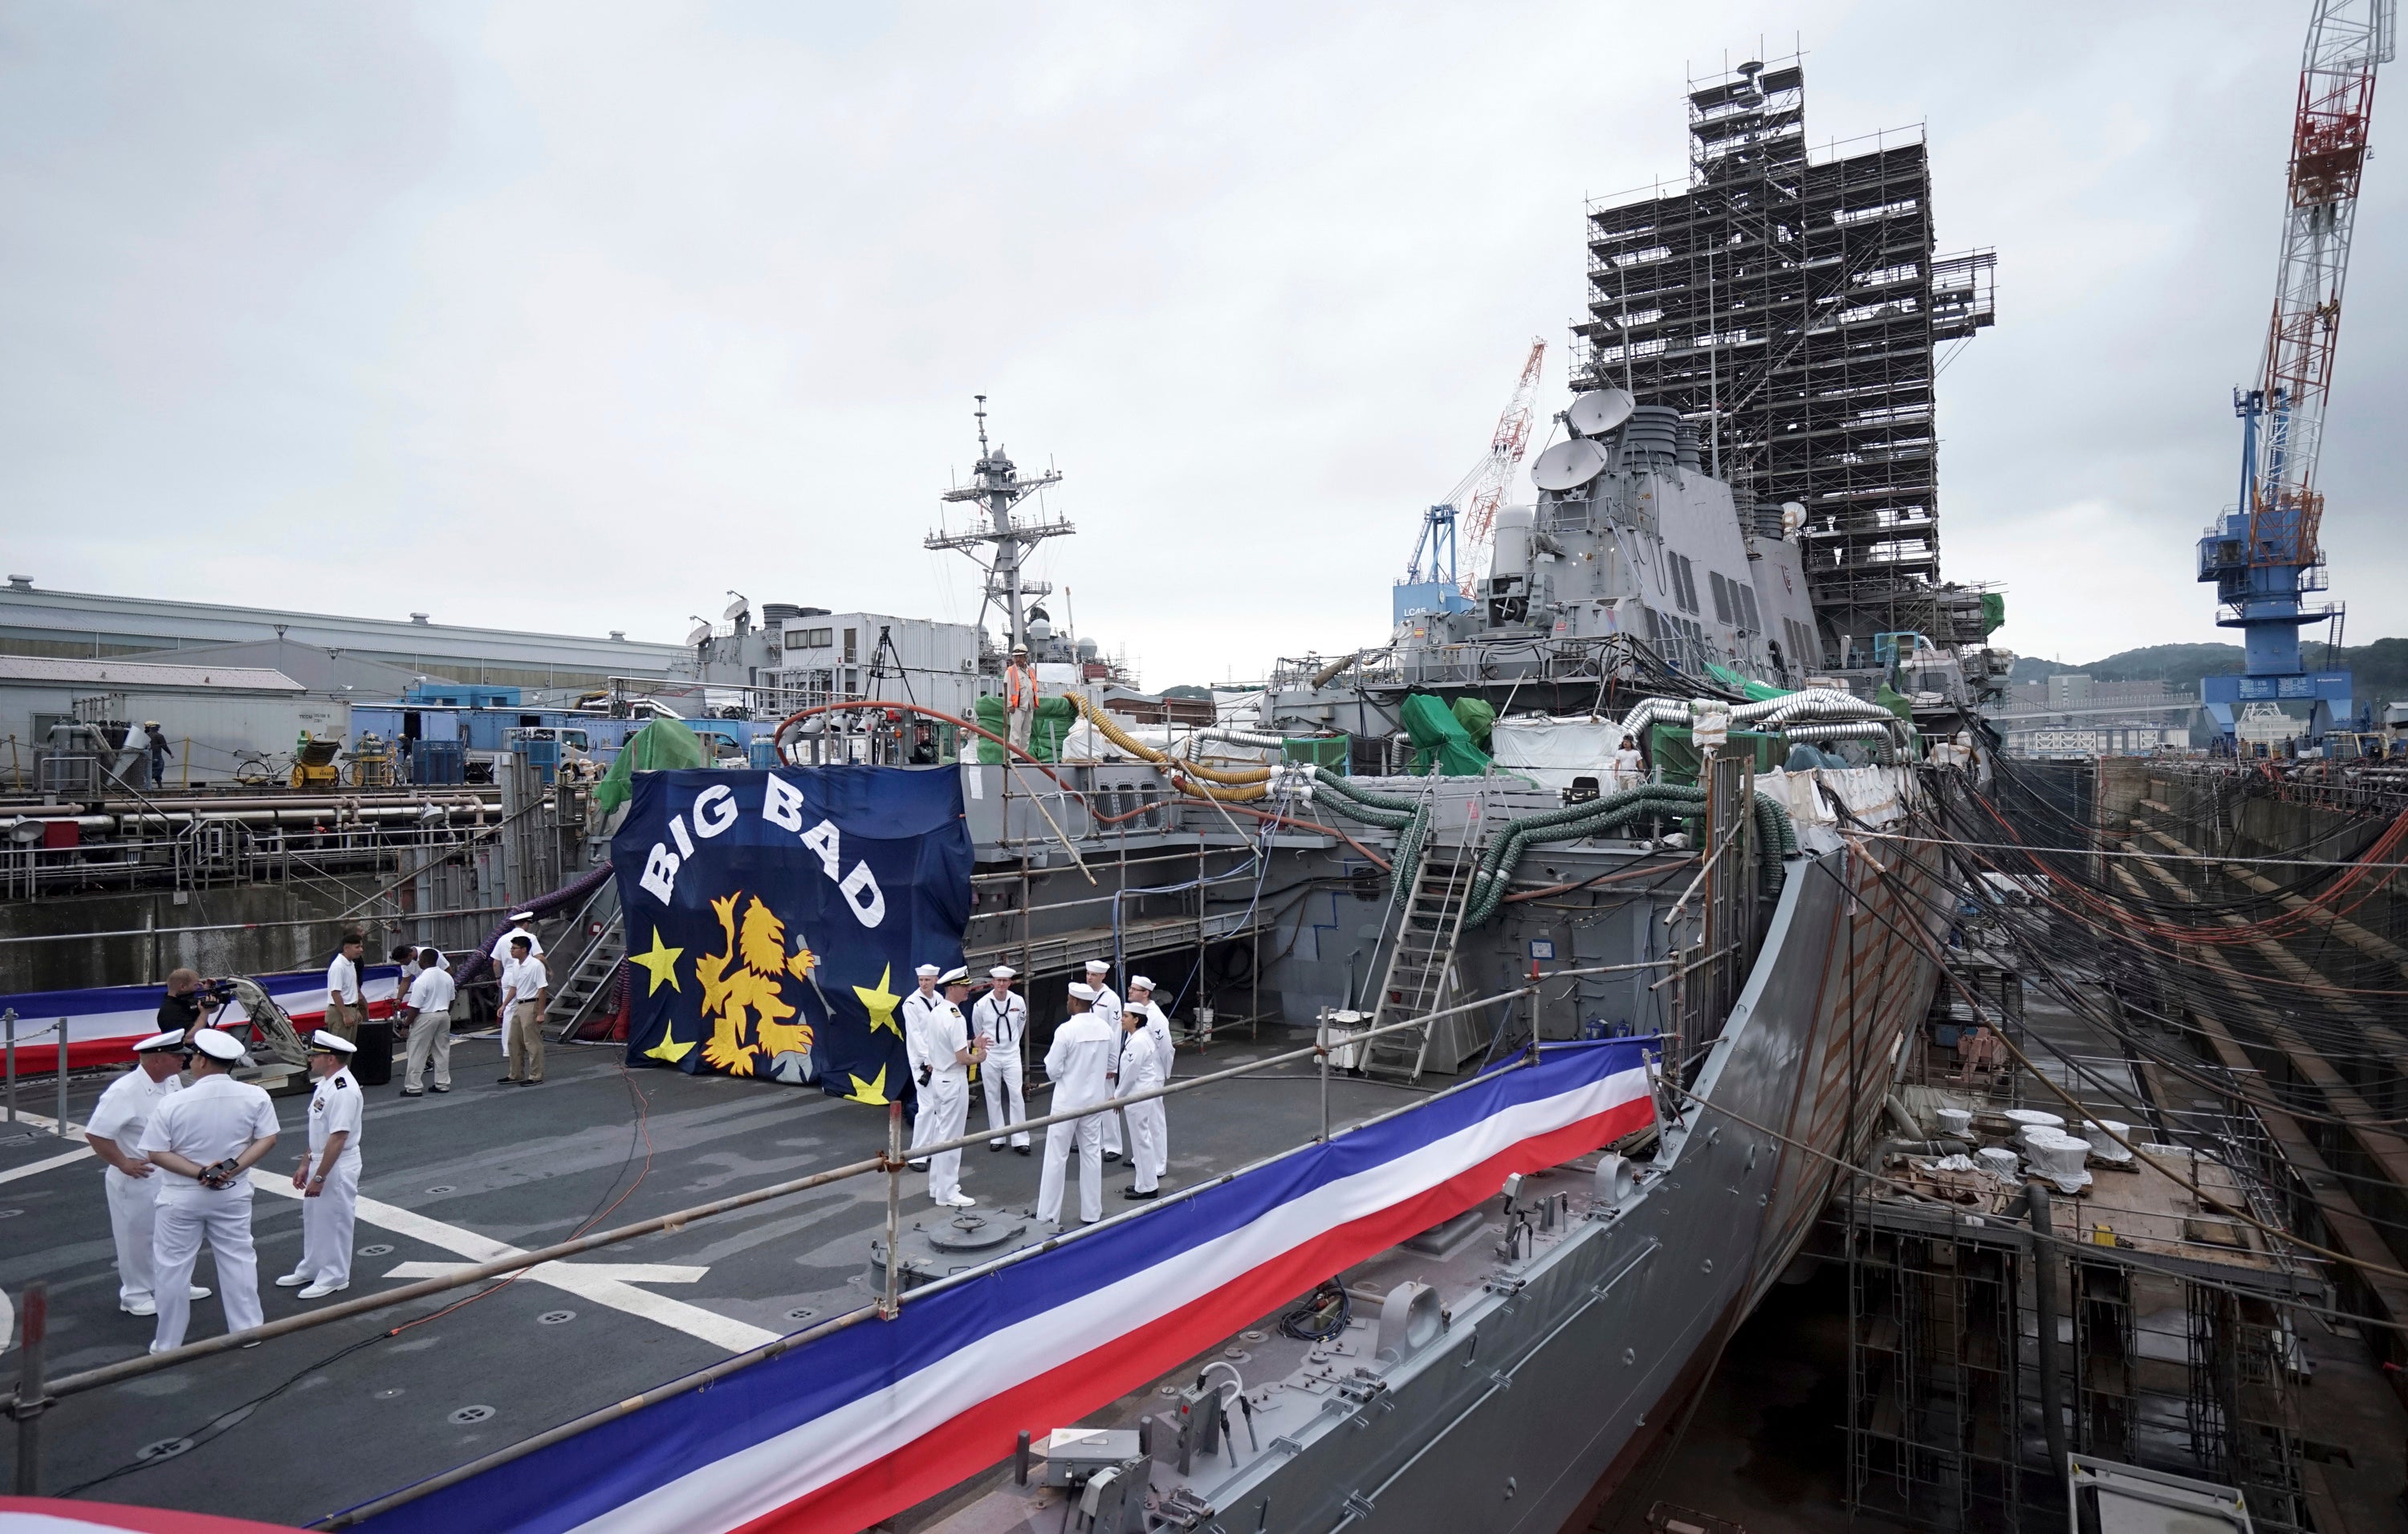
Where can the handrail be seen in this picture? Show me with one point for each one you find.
(128, 1369)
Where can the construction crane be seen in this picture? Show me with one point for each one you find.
(2264, 555)
(1457, 532)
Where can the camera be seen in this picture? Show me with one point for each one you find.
(215, 992)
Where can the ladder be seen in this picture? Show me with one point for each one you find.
(588, 981)
(1421, 963)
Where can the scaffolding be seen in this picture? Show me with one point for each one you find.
(1790, 304)
(2155, 1328)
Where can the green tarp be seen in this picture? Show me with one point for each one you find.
(1331, 753)
(1895, 701)
(1756, 691)
(660, 746)
(1675, 757)
(1054, 717)
(1440, 738)
(1476, 717)
(1994, 611)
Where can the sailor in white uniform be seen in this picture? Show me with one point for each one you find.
(1001, 1019)
(1157, 1027)
(205, 1139)
(1108, 1007)
(329, 1176)
(1141, 1071)
(1083, 1053)
(915, 1012)
(945, 1106)
(522, 925)
(132, 1183)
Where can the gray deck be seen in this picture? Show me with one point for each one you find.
(311, 1424)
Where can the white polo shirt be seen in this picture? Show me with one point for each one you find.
(343, 981)
(523, 980)
(432, 991)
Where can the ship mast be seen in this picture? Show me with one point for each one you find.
(997, 487)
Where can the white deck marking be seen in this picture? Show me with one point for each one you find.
(597, 1281)
(43, 1120)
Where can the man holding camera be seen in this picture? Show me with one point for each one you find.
(205, 1139)
(180, 1009)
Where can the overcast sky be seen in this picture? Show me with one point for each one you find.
(575, 317)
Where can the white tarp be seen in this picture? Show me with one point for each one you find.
(1554, 752)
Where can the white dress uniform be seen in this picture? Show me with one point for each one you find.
(945, 1102)
(1141, 1071)
(1004, 1024)
(1157, 1027)
(501, 950)
(1108, 1007)
(1081, 1055)
(208, 1120)
(121, 1115)
(327, 1220)
(915, 1011)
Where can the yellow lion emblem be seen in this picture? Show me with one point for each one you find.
(747, 1009)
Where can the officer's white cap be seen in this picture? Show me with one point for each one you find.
(173, 1039)
(322, 1042)
(1003, 972)
(1081, 993)
(1139, 983)
(957, 975)
(217, 1044)
(523, 916)
(1097, 966)
(928, 971)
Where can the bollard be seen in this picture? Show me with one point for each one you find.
(9, 1021)
(29, 1401)
(59, 1069)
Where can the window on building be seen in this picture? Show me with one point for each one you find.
(1722, 595)
(1747, 613)
(852, 651)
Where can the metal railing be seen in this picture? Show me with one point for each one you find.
(35, 1394)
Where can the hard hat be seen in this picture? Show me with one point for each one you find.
(150, 723)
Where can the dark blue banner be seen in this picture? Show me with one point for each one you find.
(774, 918)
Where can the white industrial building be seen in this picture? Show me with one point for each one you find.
(215, 717)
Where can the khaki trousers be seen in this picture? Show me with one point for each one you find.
(525, 1054)
(343, 1020)
(430, 1038)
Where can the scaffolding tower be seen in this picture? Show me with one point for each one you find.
(1790, 304)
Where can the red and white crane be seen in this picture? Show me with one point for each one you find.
(1483, 491)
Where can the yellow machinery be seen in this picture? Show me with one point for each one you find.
(372, 764)
(313, 763)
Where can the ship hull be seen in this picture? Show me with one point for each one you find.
(1547, 1391)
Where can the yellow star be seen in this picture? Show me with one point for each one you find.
(669, 1049)
(662, 962)
(882, 1003)
(871, 1092)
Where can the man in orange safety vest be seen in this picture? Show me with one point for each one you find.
(1020, 694)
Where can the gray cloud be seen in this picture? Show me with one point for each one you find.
(604, 310)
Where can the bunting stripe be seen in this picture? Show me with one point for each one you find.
(105, 1022)
(861, 1424)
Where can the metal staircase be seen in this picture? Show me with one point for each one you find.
(587, 984)
(1421, 962)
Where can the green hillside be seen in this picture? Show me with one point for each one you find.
(2381, 668)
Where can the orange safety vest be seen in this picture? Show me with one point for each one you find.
(1020, 687)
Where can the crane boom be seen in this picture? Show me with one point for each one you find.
(2265, 555)
(1483, 491)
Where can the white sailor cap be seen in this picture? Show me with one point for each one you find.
(1081, 993)
(217, 1044)
(1003, 972)
(172, 1039)
(322, 1042)
(1097, 966)
(1139, 983)
(959, 975)
(928, 971)
(523, 916)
